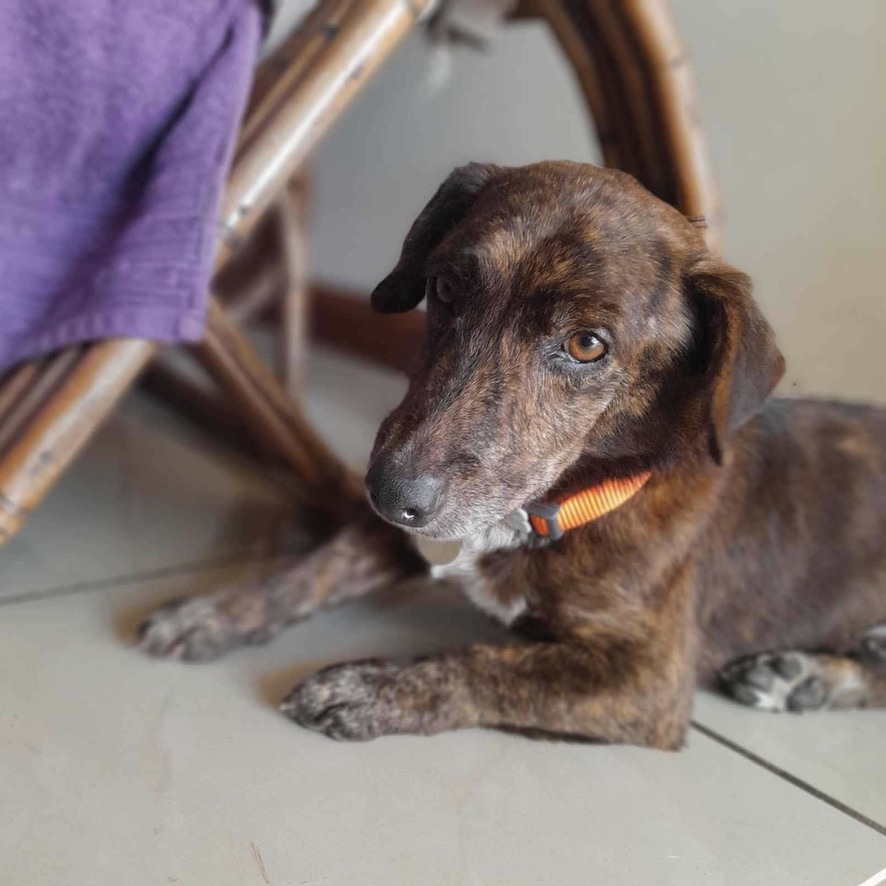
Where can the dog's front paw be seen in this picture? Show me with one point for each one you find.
(192, 629)
(782, 681)
(356, 701)
(349, 702)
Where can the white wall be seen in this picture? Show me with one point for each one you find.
(792, 102)
(381, 163)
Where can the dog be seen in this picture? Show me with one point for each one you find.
(591, 418)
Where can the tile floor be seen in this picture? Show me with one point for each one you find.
(115, 769)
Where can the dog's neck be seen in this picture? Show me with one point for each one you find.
(512, 532)
(538, 524)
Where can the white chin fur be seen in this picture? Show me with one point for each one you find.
(457, 562)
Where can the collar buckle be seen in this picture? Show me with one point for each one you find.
(545, 520)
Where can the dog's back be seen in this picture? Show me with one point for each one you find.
(795, 555)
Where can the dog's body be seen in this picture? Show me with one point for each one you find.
(579, 331)
(751, 543)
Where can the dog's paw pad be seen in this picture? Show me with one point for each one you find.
(809, 695)
(784, 681)
(344, 702)
(191, 630)
(871, 646)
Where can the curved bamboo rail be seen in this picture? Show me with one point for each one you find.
(635, 76)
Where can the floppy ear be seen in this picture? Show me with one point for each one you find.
(743, 363)
(404, 287)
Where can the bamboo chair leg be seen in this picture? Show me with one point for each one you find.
(229, 358)
(259, 295)
(41, 388)
(208, 408)
(292, 341)
(14, 386)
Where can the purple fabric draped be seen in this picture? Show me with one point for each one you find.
(117, 125)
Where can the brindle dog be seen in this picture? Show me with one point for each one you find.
(579, 330)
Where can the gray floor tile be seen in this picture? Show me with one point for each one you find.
(149, 494)
(142, 496)
(125, 769)
(841, 753)
(116, 768)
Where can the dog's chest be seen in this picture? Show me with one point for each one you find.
(503, 600)
(504, 603)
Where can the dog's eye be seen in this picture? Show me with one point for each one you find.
(441, 289)
(585, 347)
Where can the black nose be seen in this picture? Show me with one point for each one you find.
(401, 499)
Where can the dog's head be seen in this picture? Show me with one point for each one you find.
(574, 320)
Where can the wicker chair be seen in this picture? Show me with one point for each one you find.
(639, 92)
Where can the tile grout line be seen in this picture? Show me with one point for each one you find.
(860, 817)
(208, 565)
(133, 578)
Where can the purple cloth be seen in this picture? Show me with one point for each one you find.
(117, 125)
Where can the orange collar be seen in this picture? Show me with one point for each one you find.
(550, 521)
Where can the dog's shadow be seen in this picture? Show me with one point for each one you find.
(433, 617)
(272, 687)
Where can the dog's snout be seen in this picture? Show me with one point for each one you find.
(409, 501)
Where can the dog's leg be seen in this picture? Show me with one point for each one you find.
(552, 688)
(364, 556)
(802, 681)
